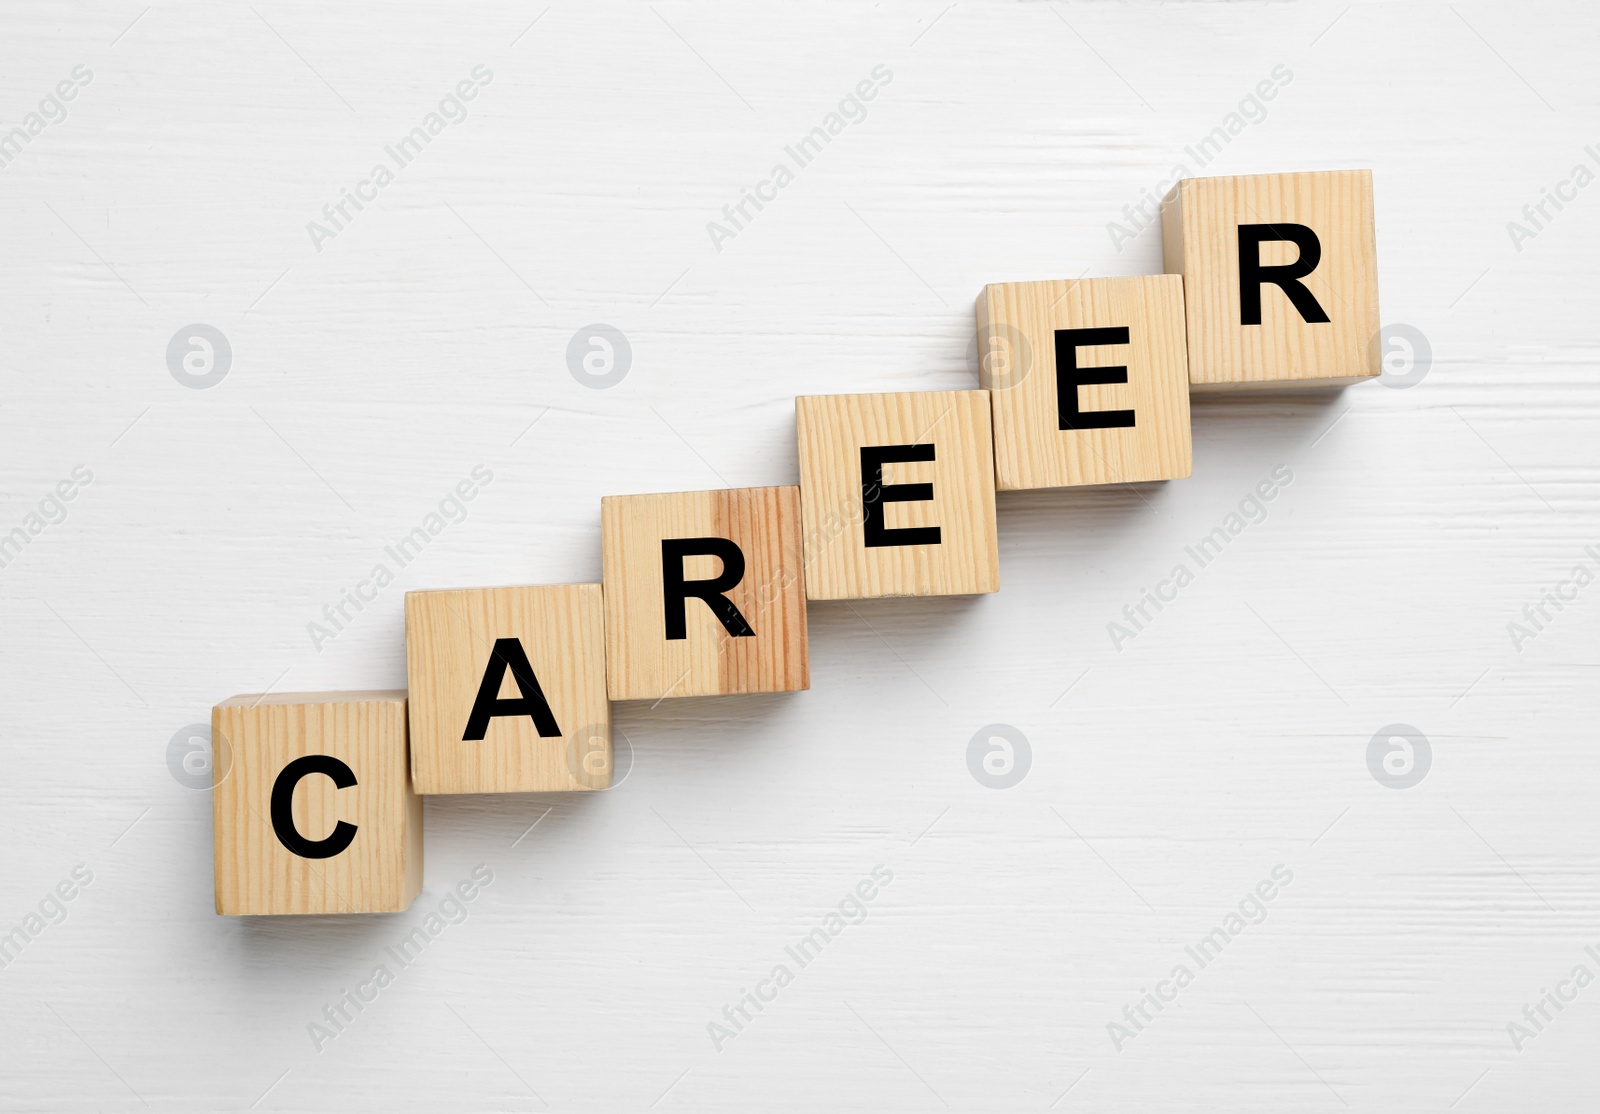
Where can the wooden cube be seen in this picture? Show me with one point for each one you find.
(1280, 278)
(897, 494)
(508, 689)
(704, 592)
(316, 813)
(1089, 380)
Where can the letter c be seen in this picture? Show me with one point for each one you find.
(365, 197)
(762, 196)
(283, 801)
(1573, 196)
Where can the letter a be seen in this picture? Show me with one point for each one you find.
(508, 654)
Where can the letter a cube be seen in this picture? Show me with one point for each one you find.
(1280, 278)
(705, 593)
(312, 806)
(508, 689)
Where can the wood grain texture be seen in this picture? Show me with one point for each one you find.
(449, 638)
(381, 870)
(1200, 220)
(642, 662)
(835, 494)
(1018, 322)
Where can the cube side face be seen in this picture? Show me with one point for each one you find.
(456, 639)
(1140, 322)
(1285, 349)
(763, 527)
(1172, 230)
(954, 428)
(305, 746)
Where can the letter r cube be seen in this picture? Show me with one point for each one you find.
(1280, 278)
(704, 593)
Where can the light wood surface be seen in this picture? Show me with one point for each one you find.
(449, 639)
(955, 425)
(381, 869)
(1167, 776)
(1200, 221)
(1017, 324)
(641, 662)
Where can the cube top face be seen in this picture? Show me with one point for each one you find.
(1280, 278)
(683, 573)
(508, 689)
(315, 812)
(897, 494)
(1089, 379)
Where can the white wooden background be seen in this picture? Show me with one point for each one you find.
(1168, 777)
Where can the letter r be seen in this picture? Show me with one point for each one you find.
(675, 590)
(1287, 276)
